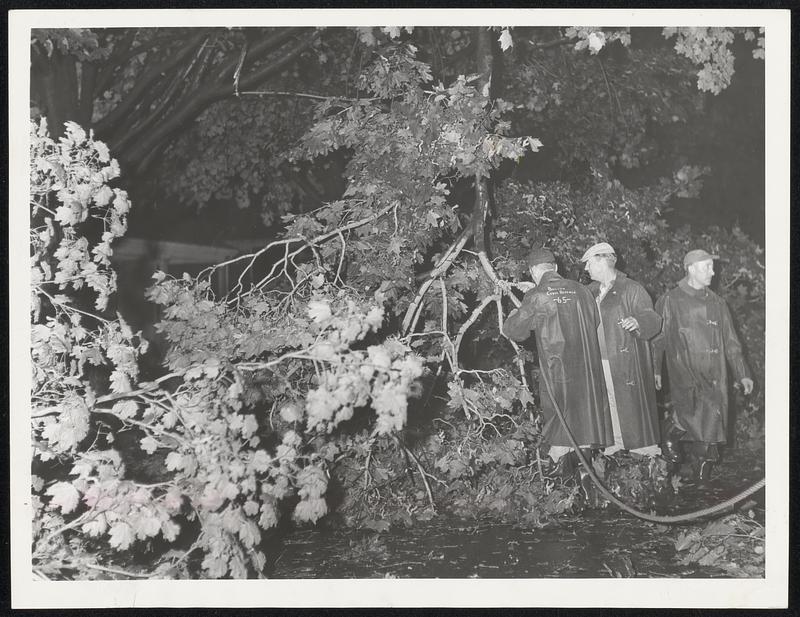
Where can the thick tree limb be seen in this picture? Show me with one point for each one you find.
(119, 56)
(111, 123)
(553, 43)
(517, 351)
(255, 52)
(165, 130)
(86, 92)
(472, 319)
(444, 263)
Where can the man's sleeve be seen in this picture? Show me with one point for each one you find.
(660, 340)
(642, 308)
(733, 347)
(519, 324)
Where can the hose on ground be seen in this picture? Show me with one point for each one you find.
(653, 518)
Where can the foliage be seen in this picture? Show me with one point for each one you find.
(235, 154)
(306, 375)
(604, 108)
(595, 39)
(139, 87)
(435, 136)
(83, 43)
(166, 101)
(240, 421)
(734, 543)
(710, 47)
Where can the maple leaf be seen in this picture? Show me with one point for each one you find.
(65, 496)
(170, 530)
(310, 510)
(319, 311)
(269, 517)
(174, 461)
(102, 151)
(395, 245)
(374, 318)
(597, 41)
(148, 444)
(147, 525)
(121, 203)
(211, 499)
(37, 483)
(249, 533)
(120, 382)
(249, 425)
(121, 536)
(173, 500)
(312, 482)
(250, 507)
(103, 195)
(291, 413)
(95, 527)
(505, 40)
(261, 460)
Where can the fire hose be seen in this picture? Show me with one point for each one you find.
(654, 518)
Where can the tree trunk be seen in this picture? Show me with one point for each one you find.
(54, 85)
(483, 60)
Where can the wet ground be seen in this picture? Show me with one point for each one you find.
(593, 544)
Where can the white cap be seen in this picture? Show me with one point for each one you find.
(601, 248)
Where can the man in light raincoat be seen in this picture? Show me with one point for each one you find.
(627, 323)
(564, 317)
(698, 340)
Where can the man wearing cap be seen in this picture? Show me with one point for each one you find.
(564, 317)
(627, 323)
(696, 339)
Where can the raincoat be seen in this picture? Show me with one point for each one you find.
(696, 339)
(634, 415)
(564, 317)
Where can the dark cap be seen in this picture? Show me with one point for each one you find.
(697, 255)
(541, 256)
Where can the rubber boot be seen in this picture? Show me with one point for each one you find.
(671, 449)
(706, 467)
(704, 471)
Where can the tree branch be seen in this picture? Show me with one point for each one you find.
(201, 100)
(86, 94)
(144, 86)
(472, 318)
(114, 61)
(255, 52)
(259, 76)
(174, 87)
(444, 263)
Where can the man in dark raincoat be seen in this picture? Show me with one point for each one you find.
(564, 317)
(697, 339)
(628, 322)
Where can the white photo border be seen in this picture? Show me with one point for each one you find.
(769, 592)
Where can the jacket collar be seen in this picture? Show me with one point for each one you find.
(594, 286)
(688, 289)
(549, 276)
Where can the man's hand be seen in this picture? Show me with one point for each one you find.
(504, 287)
(629, 323)
(747, 385)
(525, 285)
(658, 382)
